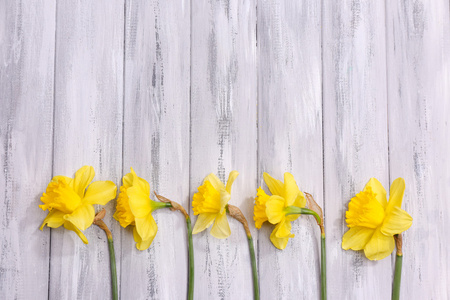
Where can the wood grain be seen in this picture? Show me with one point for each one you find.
(223, 136)
(355, 136)
(156, 141)
(334, 92)
(27, 40)
(419, 114)
(290, 137)
(88, 131)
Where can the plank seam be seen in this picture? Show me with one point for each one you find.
(53, 142)
(123, 127)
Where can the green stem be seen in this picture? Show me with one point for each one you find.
(295, 210)
(254, 271)
(112, 258)
(397, 277)
(323, 270)
(191, 260)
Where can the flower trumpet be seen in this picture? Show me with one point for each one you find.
(70, 201)
(211, 206)
(285, 205)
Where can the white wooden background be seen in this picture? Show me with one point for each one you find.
(333, 91)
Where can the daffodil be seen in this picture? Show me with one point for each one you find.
(210, 205)
(134, 207)
(285, 205)
(70, 204)
(373, 221)
(279, 208)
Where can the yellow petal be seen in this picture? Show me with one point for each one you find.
(396, 195)
(64, 178)
(379, 246)
(275, 186)
(146, 227)
(279, 242)
(396, 222)
(291, 190)
(139, 202)
(231, 178)
(221, 228)
(60, 195)
(378, 189)
(224, 198)
(100, 192)
(141, 244)
(123, 212)
(203, 221)
(357, 238)
(259, 210)
(364, 210)
(82, 217)
(300, 201)
(215, 181)
(127, 180)
(207, 200)
(275, 209)
(140, 183)
(54, 219)
(82, 179)
(72, 227)
(284, 229)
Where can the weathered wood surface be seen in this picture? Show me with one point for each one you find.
(418, 56)
(156, 141)
(27, 51)
(290, 138)
(224, 136)
(88, 131)
(335, 92)
(355, 136)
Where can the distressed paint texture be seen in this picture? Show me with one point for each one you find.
(27, 38)
(290, 137)
(334, 92)
(355, 136)
(156, 141)
(419, 134)
(223, 136)
(88, 131)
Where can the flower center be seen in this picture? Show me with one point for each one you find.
(365, 210)
(207, 200)
(61, 196)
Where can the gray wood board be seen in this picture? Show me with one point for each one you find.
(333, 92)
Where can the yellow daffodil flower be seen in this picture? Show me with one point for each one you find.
(210, 204)
(70, 204)
(373, 221)
(277, 208)
(134, 207)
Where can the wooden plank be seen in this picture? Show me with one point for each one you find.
(88, 131)
(27, 42)
(224, 136)
(156, 141)
(290, 137)
(355, 136)
(419, 114)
